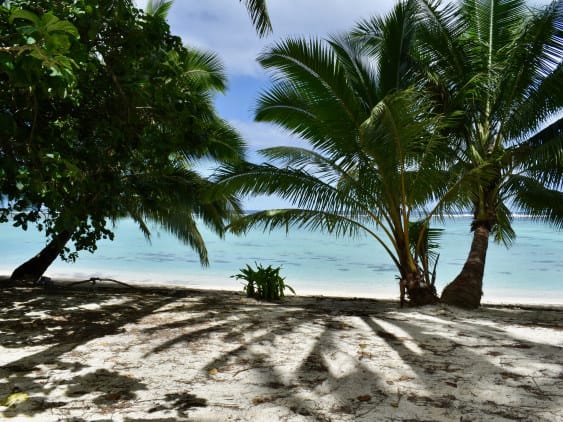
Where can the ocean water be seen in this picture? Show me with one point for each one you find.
(531, 271)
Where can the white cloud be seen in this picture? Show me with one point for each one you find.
(265, 135)
(224, 26)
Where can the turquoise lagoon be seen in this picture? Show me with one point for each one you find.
(531, 271)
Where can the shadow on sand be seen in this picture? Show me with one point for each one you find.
(305, 358)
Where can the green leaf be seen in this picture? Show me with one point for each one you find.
(55, 72)
(63, 27)
(57, 43)
(25, 15)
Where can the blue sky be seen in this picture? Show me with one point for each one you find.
(224, 27)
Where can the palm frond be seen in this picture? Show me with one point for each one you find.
(158, 8)
(205, 69)
(224, 143)
(258, 12)
(440, 52)
(531, 83)
(329, 169)
(369, 32)
(403, 134)
(185, 229)
(314, 96)
(424, 240)
(389, 41)
(314, 220)
(359, 183)
(360, 73)
(394, 64)
(502, 231)
(297, 186)
(540, 104)
(174, 200)
(312, 66)
(491, 27)
(309, 116)
(541, 156)
(533, 198)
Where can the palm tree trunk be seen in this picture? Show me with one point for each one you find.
(31, 270)
(413, 282)
(420, 292)
(466, 289)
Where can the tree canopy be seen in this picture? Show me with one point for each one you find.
(104, 112)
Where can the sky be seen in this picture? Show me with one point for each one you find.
(224, 27)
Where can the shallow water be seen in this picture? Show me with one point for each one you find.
(313, 263)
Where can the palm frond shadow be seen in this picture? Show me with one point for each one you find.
(58, 322)
(319, 358)
(269, 343)
(470, 352)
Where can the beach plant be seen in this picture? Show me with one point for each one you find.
(500, 65)
(263, 283)
(376, 155)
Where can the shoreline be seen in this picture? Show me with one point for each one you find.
(494, 297)
(312, 263)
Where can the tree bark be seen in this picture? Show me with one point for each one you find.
(466, 289)
(418, 291)
(31, 270)
(413, 284)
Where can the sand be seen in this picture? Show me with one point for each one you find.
(114, 354)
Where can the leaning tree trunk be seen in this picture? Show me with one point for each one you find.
(31, 270)
(467, 288)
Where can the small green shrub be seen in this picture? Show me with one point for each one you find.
(263, 283)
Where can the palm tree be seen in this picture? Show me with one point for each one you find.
(499, 65)
(376, 156)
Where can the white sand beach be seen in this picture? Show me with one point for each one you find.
(105, 353)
